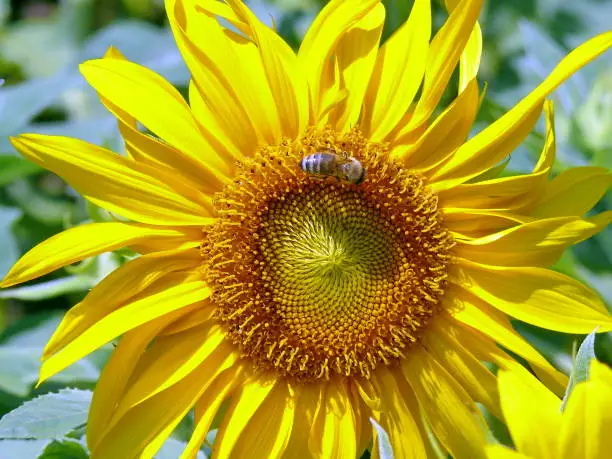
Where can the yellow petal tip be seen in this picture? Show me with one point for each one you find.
(89, 65)
(8, 281)
(15, 140)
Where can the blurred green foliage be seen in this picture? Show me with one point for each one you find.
(41, 44)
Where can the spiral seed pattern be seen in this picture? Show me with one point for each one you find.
(314, 277)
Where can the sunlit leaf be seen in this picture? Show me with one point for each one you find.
(51, 415)
(22, 102)
(580, 371)
(64, 449)
(43, 208)
(385, 451)
(22, 449)
(8, 247)
(49, 289)
(15, 167)
(142, 43)
(20, 367)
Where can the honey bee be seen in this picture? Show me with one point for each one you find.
(328, 164)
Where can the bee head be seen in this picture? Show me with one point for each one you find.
(362, 177)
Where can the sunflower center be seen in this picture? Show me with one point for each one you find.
(314, 276)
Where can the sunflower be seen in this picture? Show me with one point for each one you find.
(541, 430)
(288, 308)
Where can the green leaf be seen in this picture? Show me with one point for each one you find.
(20, 358)
(22, 449)
(21, 365)
(19, 370)
(22, 102)
(51, 415)
(49, 289)
(65, 449)
(385, 451)
(15, 167)
(31, 330)
(580, 372)
(5, 11)
(8, 247)
(397, 13)
(43, 45)
(143, 43)
(33, 202)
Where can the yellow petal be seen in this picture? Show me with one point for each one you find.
(600, 375)
(136, 191)
(115, 290)
(444, 53)
(224, 11)
(587, 418)
(396, 418)
(400, 66)
(538, 296)
(467, 223)
(168, 294)
(334, 429)
(170, 359)
(229, 148)
(441, 341)
(245, 403)
(532, 413)
(514, 193)
(229, 74)
(364, 430)
(207, 407)
(268, 432)
(538, 243)
(153, 421)
(573, 192)
(549, 149)
(424, 151)
(319, 43)
(432, 446)
(469, 63)
(147, 149)
(218, 363)
(257, 96)
(154, 102)
(115, 376)
(507, 193)
(490, 149)
(356, 56)
(477, 314)
(486, 349)
(494, 143)
(503, 452)
(193, 319)
(211, 79)
(285, 77)
(80, 242)
(451, 412)
(190, 237)
(308, 406)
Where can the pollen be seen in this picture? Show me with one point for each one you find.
(313, 276)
